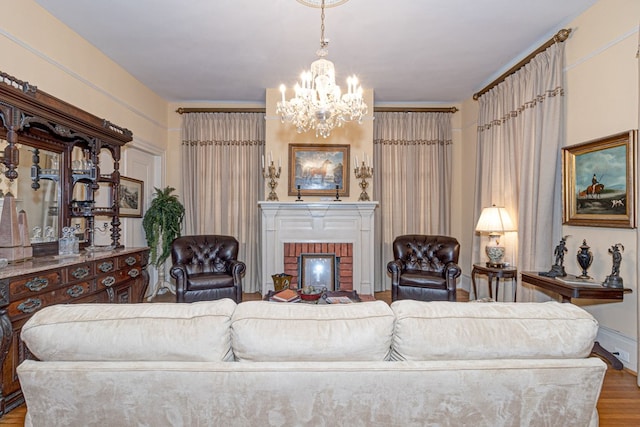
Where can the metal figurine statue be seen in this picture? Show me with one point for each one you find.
(614, 280)
(557, 270)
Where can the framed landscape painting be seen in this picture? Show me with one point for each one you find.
(598, 182)
(131, 193)
(318, 169)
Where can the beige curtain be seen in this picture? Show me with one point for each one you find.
(520, 132)
(221, 155)
(411, 180)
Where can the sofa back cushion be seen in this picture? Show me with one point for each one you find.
(449, 330)
(271, 331)
(135, 332)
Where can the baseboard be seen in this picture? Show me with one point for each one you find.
(614, 341)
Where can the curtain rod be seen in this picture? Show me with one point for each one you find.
(414, 110)
(183, 110)
(560, 36)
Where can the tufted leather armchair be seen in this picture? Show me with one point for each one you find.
(425, 268)
(206, 268)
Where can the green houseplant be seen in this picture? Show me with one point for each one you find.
(161, 224)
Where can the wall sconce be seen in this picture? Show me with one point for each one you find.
(494, 221)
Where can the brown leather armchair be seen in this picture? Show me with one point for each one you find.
(206, 268)
(425, 268)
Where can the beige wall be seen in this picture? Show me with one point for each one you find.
(63, 64)
(601, 99)
(39, 49)
(278, 136)
(464, 169)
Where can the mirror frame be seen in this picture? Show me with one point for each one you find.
(32, 117)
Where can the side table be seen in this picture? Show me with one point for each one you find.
(498, 273)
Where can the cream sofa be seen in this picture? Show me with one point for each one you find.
(276, 364)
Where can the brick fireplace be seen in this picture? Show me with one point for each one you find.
(343, 251)
(291, 228)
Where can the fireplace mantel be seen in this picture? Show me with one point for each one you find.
(331, 222)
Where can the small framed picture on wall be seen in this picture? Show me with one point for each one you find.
(131, 194)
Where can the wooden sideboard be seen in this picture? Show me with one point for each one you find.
(118, 276)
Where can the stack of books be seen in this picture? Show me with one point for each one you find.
(287, 295)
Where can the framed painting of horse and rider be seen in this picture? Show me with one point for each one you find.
(319, 169)
(598, 182)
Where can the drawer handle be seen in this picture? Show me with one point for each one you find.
(30, 305)
(134, 273)
(108, 281)
(75, 291)
(37, 284)
(105, 266)
(80, 273)
(130, 260)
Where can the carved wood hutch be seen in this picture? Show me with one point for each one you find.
(65, 149)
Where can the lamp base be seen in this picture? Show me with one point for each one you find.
(495, 264)
(495, 255)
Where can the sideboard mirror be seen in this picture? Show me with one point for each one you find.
(51, 157)
(40, 200)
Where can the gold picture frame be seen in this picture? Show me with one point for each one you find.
(598, 179)
(130, 196)
(318, 169)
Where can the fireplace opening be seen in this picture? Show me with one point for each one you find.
(344, 261)
(319, 270)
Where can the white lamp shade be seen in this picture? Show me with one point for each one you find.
(494, 220)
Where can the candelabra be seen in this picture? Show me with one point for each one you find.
(272, 175)
(363, 173)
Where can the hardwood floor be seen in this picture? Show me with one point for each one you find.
(619, 403)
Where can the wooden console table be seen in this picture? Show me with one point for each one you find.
(118, 276)
(570, 290)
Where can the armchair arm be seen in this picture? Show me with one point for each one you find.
(179, 272)
(395, 267)
(451, 272)
(236, 269)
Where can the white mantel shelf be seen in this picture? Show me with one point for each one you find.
(318, 222)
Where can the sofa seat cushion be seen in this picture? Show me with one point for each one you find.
(450, 330)
(206, 281)
(263, 331)
(133, 332)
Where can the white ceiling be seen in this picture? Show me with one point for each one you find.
(408, 51)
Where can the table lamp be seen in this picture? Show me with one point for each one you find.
(494, 221)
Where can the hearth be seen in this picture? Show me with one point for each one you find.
(346, 229)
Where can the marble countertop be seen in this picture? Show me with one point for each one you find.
(33, 265)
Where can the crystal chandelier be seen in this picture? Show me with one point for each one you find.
(318, 102)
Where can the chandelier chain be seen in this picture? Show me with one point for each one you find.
(323, 42)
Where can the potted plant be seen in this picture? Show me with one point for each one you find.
(161, 224)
